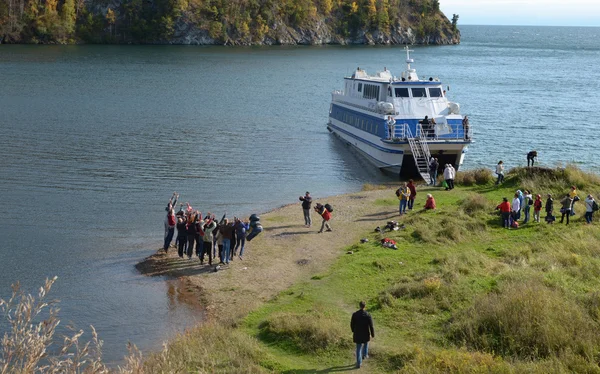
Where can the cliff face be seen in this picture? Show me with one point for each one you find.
(223, 22)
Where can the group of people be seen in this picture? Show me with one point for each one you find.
(323, 210)
(207, 235)
(407, 193)
(449, 174)
(523, 201)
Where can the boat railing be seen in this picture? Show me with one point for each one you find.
(402, 131)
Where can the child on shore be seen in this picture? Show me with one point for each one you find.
(403, 194)
(537, 207)
(326, 214)
(500, 172)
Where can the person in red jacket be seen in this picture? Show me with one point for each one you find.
(504, 208)
(537, 207)
(326, 214)
(430, 203)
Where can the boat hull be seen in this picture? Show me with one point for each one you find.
(395, 157)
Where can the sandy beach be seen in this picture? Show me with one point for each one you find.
(285, 253)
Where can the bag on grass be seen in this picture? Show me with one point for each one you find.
(445, 184)
(514, 225)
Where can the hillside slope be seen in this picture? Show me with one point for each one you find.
(218, 22)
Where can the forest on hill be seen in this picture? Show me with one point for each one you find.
(226, 22)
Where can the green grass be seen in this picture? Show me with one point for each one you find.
(460, 295)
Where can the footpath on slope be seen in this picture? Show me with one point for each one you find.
(285, 253)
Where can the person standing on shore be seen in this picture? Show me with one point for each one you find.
(326, 214)
(447, 176)
(500, 172)
(565, 210)
(515, 208)
(504, 208)
(191, 234)
(170, 223)
(207, 247)
(403, 194)
(240, 231)
(527, 202)
(306, 205)
(452, 175)
(226, 231)
(549, 209)
(433, 170)
(537, 208)
(574, 197)
(589, 208)
(181, 235)
(413, 193)
(361, 325)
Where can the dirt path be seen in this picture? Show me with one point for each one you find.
(285, 253)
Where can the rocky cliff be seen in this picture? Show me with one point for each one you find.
(221, 22)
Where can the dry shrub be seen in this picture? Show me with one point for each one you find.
(476, 203)
(525, 319)
(210, 348)
(554, 180)
(453, 361)
(30, 346)
(471, 177)
(416, 289)
(307, 334)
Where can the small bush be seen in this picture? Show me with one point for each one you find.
(476, 203)
(472, 177)
(307, 333)
(526, 320)
(416, 289)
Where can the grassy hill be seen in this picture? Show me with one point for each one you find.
(460, 295)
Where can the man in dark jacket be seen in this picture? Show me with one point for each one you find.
(362, 330)
(306, 203)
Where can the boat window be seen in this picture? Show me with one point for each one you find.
(371, 91)
(401, 92)
(435, 92)
(419, 92)
(360, 87)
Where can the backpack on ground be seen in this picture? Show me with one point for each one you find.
(514, 225)
(329, 208)
(595, 206)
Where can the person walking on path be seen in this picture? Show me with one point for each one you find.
(361, 325)
(531, 156)
(549, 209)
(500, 172)
(403, 194)
(589, 208)
(504, 208)
(413, 193)
(433, 170)
(537, 208)
(326, 214)
(306, 205)
(565, 210)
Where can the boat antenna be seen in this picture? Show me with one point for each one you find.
(408, 59)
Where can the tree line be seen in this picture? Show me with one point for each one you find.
(156, 21)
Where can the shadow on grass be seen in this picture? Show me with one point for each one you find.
(333, 369)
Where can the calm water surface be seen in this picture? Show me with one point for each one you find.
(96, 138)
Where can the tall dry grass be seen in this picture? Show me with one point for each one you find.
(527, 320)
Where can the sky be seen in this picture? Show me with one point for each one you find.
(524, 12)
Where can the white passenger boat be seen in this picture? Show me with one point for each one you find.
(399, 123)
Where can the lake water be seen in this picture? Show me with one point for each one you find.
(96, 138)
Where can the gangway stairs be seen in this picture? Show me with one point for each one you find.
(420, 151)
